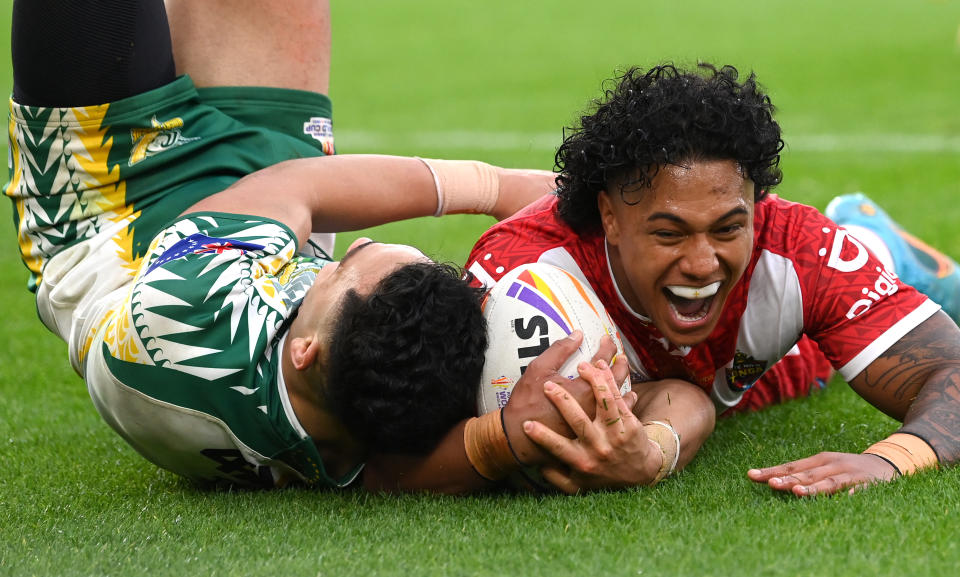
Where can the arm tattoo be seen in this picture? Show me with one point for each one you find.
(921, 373)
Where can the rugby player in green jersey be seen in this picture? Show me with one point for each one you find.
(208, 341)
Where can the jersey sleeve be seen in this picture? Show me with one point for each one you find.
(204, 262)
(186, 366)
(853, 306)
(520, 239)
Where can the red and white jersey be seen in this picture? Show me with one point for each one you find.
(806, 276)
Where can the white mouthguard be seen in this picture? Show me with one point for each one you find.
(693, 293)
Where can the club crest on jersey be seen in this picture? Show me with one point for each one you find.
(744, 372)
(161, 136)
(200, 244)
(296, 277)
(321, 129)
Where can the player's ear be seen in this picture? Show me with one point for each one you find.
(607, 218)
(304, 351)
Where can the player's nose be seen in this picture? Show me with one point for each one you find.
(700, 258)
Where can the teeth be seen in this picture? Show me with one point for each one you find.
(702, 313)
(693, 293)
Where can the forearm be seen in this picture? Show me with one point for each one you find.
(917, 381)
(934, 415)
(352, 192)
(332, 193)
(444, 470)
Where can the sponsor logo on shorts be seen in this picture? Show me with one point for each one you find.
(160, 137)
(321, 129)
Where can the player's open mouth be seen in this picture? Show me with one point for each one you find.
(691, 304)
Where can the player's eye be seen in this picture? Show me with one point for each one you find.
(667, 234)
(729, 229)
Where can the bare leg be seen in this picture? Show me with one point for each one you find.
(279, 44)
(283, 44)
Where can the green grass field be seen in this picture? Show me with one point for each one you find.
(867, 94)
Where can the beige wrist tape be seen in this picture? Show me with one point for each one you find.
(907, 453)
(488, 449)
(666, 439)
(464, 186)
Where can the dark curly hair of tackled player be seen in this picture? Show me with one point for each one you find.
(405, 360)
(665, 116)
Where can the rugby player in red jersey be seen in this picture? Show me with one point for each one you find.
(664, 208)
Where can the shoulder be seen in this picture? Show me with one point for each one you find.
(196, 238)
(781, 223)
(799, 238)
(539, 219)
(525, 238)
(200, 278)
(850, 303)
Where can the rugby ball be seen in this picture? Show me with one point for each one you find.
(530, 308)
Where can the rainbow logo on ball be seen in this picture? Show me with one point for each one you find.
(532, 290)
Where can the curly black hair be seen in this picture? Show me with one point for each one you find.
(663, 116)
(404, 362)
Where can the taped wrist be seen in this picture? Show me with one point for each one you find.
(668, 442)
(464, 186)
(907, 453)
(488, 448)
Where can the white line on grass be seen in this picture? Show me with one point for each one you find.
(492, 140)
(878, 142)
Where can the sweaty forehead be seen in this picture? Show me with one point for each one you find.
(400, 254)
(353, 251)
(692, 180)
(717, 176)
(381, 256)
(694, 199)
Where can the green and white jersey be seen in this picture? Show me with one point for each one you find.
(93, 185)
(185, 364)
